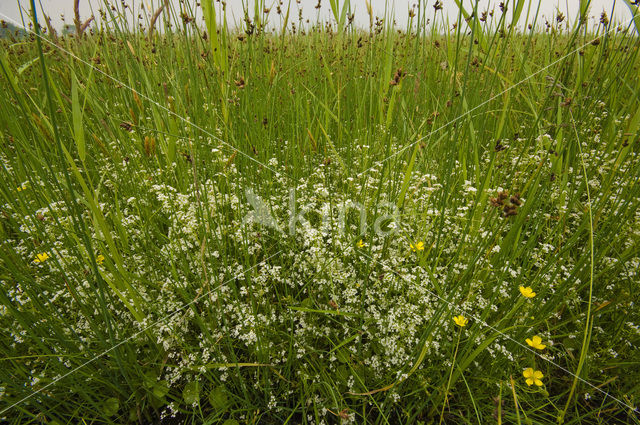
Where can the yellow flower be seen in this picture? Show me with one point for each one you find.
(536, 342)
(419, 246)
(461, 321)
(360, 244)
(533, 376)
(21, 188)
(41, 258)
(527, 292)
(100, 259)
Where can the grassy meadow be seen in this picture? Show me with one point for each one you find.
(419, 222)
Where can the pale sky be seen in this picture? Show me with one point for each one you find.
(9, 9)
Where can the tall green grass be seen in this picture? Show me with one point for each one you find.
(127, 156)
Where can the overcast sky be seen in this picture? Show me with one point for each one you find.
(9, 9)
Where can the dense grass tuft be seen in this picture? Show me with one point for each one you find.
(320, 223)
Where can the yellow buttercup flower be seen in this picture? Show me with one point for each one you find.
(527, 292)
(100, 259)
(419, 246)
(461, 321)
(533, 376)
(41, 258)
(536, 342)
(360, 244)
(21, 188)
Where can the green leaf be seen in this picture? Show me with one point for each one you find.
(218, 398)
(230, 422)
(110, 406)
(286, 20)
(133, 414)
(150, 379)
(27, 64)
(157, 403)
(217, 39)
(517, 11)
(407, 177)
(191, 393)
(78, 129)
(161, 389)
(343, 355)
(635, 14)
